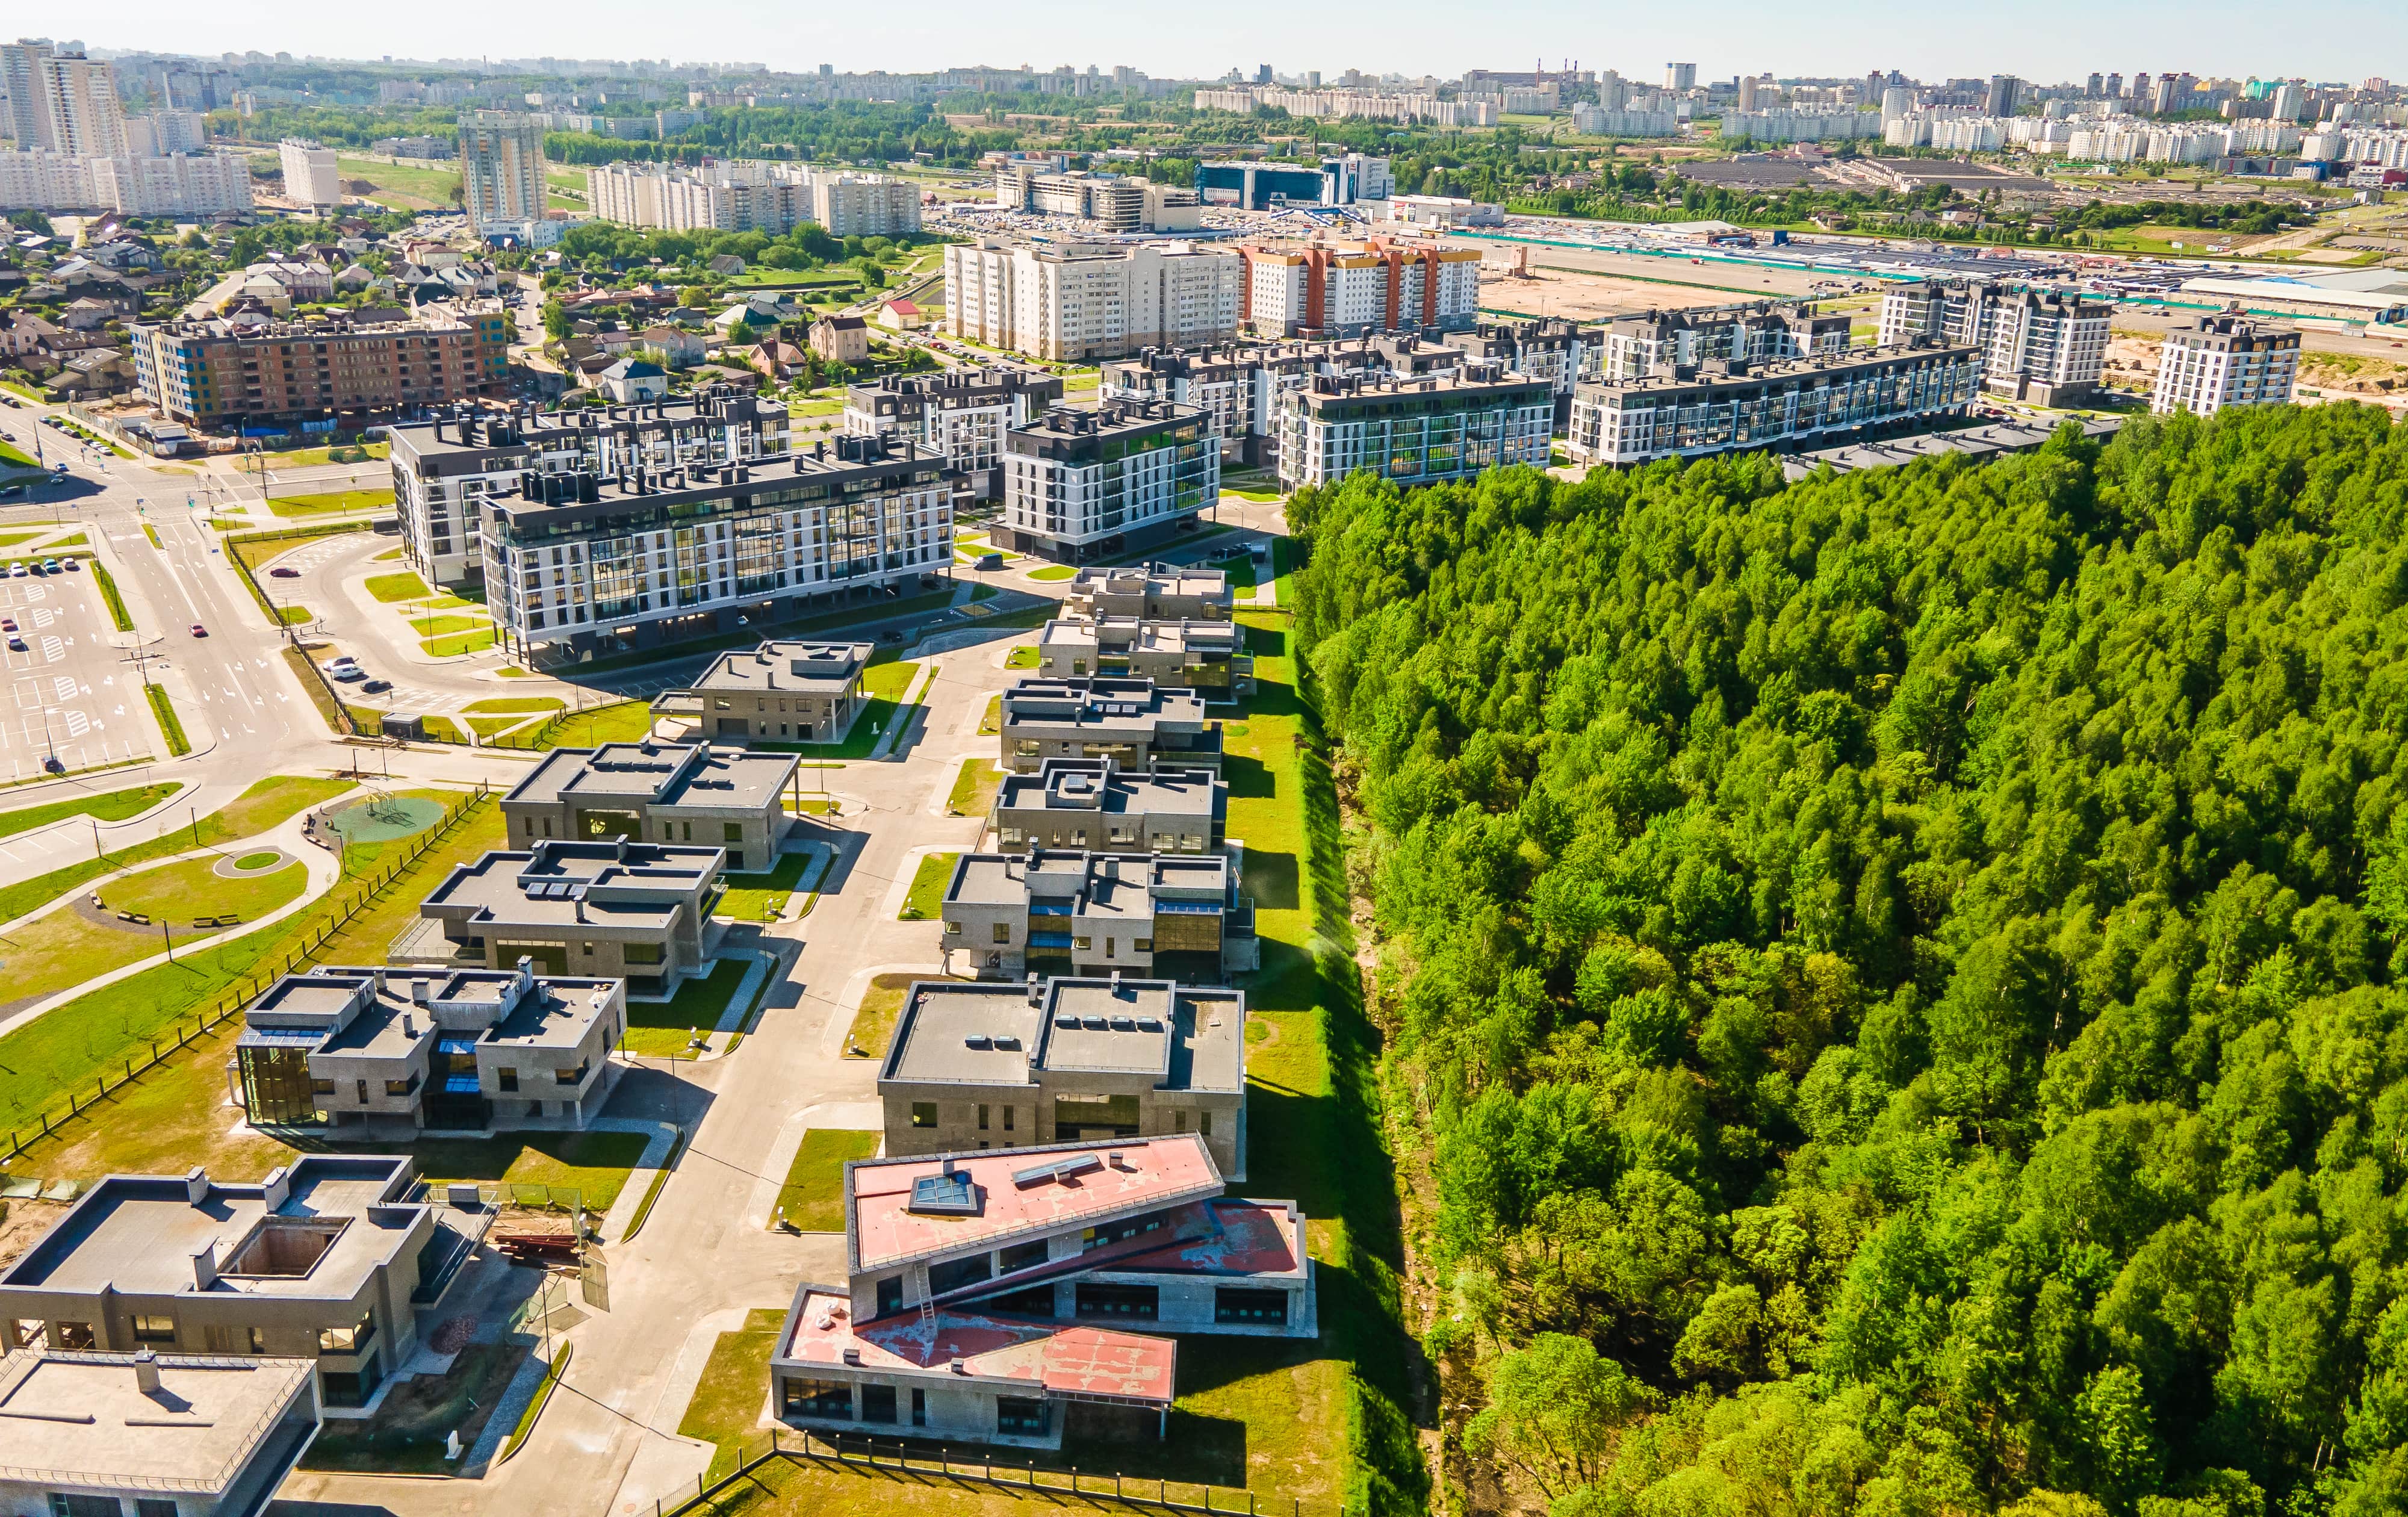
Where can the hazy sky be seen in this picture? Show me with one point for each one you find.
(2348, 40)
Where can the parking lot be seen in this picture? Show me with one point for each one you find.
(69, 692)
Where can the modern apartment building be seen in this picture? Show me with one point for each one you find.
(986, 1292)
(1422, 431)
(1207, 657)
(959, 414)
(783, 691)
(1113, 202)
(501, 167)
(1152, 592)
(373, 1054)
(750, 194)
(1095, 804)
(62, 101)
(1134, 722)
(1563, 353)
(1080, 483)
(1238, 387)
(1345, 289)
(443, 471)
(173, 1435)
(985, 1065)
(1756, 332)
(865, 205)
(215, 373)
(729, 798)
(1078, 301)
(325, 1260)
(2218, 361)
(2044, 347)
(1727, 406)
(197, 184)
(311, 175)
(617, 909)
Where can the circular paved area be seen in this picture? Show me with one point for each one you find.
(384, 819)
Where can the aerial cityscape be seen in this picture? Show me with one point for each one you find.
(1596, 787)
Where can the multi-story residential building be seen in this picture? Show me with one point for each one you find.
(751, 194)
(1208, 657)
(1413, 430)
(1134, 722)
(1238, 387)
(164, 131)
(1095, 804)
(1078, 301)
(1597, 121)
(501, 167)
(1756, 332)
(783, 691)
(617, 909)
(443, 471)
(1729, 404)
(60, 100)
(217, 373)
(1082, 483)
(190, 1434)
(574, 562)
(1152, 592)
(1345, 289)
(961, 414)
(2045, 346)
(311, 175)
(1770, 126)
(729, 798)
(200, 184)
(1564, 353)
(2220, 361)
(866, 205)
(326, 1259)
(1113, 202)
(372, 1053)
(979, 1287)
(985, 1065)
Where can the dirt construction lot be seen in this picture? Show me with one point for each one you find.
(1593, 286)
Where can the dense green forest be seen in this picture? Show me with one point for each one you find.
(1896, 980)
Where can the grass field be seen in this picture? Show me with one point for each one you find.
(1023, 657)
(873, 1022)
(1052, 572)
(170, 729)
(974, 788)
(302, 458)
(596, 1164)
(926, 896)
(813, 1197)
(390, 588)
(459, 642)
(403, 188)
(727, 1399)
(656, 1029)
(331, 503)
(71, 945)
(112, 805)
(763, 897)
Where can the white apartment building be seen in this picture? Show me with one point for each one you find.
(185, 184)
(752, 194)
(79, 100)
(2220, 361)
(1598, 122)
(1730, 406)
(1074, 301)
(2047, 348)
(1800, 125)
(1413, 430)
(1344, 289)
(310, 176)
(165, 132)
(1363, 105)
(865, 205)
(1077, 482)
(959, 414)
(501, 167)
(1756, 332)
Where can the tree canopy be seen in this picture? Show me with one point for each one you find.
(1900, 974)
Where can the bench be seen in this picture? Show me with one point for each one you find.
(136, 917)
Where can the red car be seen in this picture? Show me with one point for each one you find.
(199, 631)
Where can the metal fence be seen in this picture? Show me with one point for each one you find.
(1150, 1493)
(351, 899)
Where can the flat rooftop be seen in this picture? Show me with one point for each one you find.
(136, 1233)
(1155, 579)
(639, 886)
(970, 1033)
(1101, 703)
(1080, 785)
(1005, 1200)
(802, 669)
(1068, 1360)
(1141, 634)
(81, 1419)
(657, 774)
(994, 1035)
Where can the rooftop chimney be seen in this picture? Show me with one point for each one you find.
(275, 1189)
(196, 1185)
(409, 1024)
(205, 1266)
(417, 992)
(145, 1372)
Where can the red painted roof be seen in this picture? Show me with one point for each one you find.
(1089, 1361)
(1155, 1172)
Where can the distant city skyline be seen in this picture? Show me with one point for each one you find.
(1422, 37)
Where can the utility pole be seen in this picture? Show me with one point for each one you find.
(170, 938)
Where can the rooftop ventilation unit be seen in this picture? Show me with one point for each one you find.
(1060, 1169)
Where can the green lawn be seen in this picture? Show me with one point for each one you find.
(463, 642)
(331, 503)
(194, 888)
(405, 188)
(520, 704)
(812, 1198)
(621, 722)
(594, 1164)
(889, 680)
(302, 458)
(727, 1399)
(67, 947)
(114, 806)
(873, 1022)
(991, 724)
(974, 788)
(1023, 657)
(927, 894)
(170, 728)
(1053, 571)
(396, 587)
(441, 626)
(763, 897)
(13, 459)
(656, 1029)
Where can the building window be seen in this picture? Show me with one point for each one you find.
(1141, 945)
(1082, 944)
(75, 1335)
(572, 1076)
(890, 1295)
(153, 1329)
(347, 1340)
(1006, 1117)
(402, 1087)
(363, 1091)
(924, 1113)
(506, 1079)
(1003, 932)
(1232, 1304)
(67, 1504)
(689, 830)
(1019, 1415)
(831, 1399)
(919, 1408)
(1138, 1303)
(153, 1506)
(952, 929)
(732, 832)
(1204, 1122)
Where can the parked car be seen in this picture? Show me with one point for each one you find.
(75, 565)
(347, 672)
(37, 568)
(375, 685)
(16, 571)
(16, 644)
(11, 492)
(283, 574)
(51, 565)
(199, 631)
(7, 623)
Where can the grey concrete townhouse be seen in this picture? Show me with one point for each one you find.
(984, 1293)
(779, 692)
(982, 1065)
(1095, 803)
(1207, 657)
(659, 793)
(1134, 722)
(320, 1260)
(384, 1053)
(617, 909)
(1062, 911)
(1152, 592)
